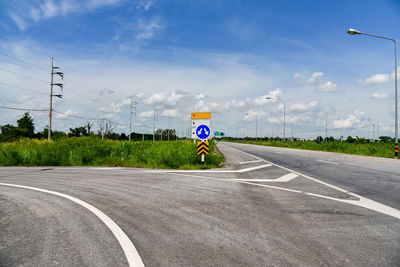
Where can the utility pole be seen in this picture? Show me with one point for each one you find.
(133, 106)
(256, 126)
(373, 126)
(169, 126)
(292, 133)
(326, 126)
(102, 128)
(51, 93)
(155, 116)
(377, 131)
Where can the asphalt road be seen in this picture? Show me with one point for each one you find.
(274, 207)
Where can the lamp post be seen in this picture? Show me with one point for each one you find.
(355, 32)
(284, 113)
(256, 125)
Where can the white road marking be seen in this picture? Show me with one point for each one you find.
(212, 171)
(130, 251)
(251, 161)
(106, 168)
(331, 162)
(362, 202)
(285, 178)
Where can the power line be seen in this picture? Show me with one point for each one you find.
(75, 116)
(23, 75)
(28, 109)
(24, 61)
(22, 88)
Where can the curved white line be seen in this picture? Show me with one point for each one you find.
(129, 249)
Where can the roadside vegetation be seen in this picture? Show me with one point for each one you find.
(20, 146)
(356, 146)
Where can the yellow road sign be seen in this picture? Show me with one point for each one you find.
(201, 115)
(202, 148)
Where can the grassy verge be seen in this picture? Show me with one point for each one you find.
(369, 149)
(90, 151)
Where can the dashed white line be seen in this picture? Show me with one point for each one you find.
(129, 249)
(285, 178)
(331, 162)
(251, 161)
(212, 171)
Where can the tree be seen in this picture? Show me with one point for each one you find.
(78, 131)
(351, 139)
(89, 126)
(26, 125)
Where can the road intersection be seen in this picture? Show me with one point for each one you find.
(268, 206)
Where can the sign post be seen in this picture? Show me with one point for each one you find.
(201, 124)
(202, 149)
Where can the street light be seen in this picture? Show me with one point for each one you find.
(354, 32)
(284, 112)
(256, 124)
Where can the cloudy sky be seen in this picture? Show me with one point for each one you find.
(224, 57)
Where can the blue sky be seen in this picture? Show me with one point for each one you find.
(218, 56)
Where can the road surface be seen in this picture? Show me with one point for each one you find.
(267, 207)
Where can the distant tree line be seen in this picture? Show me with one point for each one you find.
(319, 139)
(26, 129)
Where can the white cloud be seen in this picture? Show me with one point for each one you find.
(303, 107)
(146, 114)
(350, 121)
(398, 74)
(277, 94)
(200, 96)
(146, 29)
(377, 78)
(64, 115)
(116, 107)
(49, 9)
(315, 78)
(379, 96)
(170, 113)
(163, 99)
(252, 115)
(273, 120)
(18, 21)
(145, 4)
(327, 87)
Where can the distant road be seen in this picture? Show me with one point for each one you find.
(267, 207)
(372, 177)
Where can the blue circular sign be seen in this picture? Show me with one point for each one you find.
(203, 132)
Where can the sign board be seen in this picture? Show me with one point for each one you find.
(216, 133)
(201, 115)
(203, 132)
(202, 148)
(203, 118)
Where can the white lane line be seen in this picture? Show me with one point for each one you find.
(283, 179)
(130, 251)
(362, 202)
(331, 162)
(212, 171)
(251, 161)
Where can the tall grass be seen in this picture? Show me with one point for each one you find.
(91, 151)
(369, 149)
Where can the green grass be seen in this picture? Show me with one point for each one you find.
(91, 151)
(369, 149)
